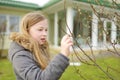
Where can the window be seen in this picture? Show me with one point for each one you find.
(3, 23)
(82, 27)
(61, 26)
(9, 24)
(14, 24)
(118, 34)
(100, 31)
(108, 37)
(104, 31)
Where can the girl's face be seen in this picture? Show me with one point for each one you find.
(39, 31)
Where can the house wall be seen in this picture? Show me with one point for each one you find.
(51, 29)
(8, 12)
(90, 27)
(63, 17)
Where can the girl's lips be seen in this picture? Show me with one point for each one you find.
(43, 39)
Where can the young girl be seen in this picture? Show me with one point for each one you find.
(29, 51)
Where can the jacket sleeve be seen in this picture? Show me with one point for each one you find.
(26, 67)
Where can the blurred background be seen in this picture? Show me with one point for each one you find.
(95, 29)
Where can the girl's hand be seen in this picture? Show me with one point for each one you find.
(66, 42)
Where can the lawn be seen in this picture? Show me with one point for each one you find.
(89, 72)
(6, 71)
(83, 72)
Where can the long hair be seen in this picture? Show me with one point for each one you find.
(40, 52)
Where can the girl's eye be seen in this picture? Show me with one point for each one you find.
(45, 29)
(40, 29)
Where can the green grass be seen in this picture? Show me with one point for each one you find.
(6, 71)
(88, 72)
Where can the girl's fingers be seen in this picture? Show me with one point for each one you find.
(66, 42)
(66, 37)
(69, 40)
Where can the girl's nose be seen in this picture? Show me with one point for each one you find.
(45, 32)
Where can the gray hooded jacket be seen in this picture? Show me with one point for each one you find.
(26, 68)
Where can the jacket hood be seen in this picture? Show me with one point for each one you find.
(14, 48)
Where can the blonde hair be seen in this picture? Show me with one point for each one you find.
(41, 52)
